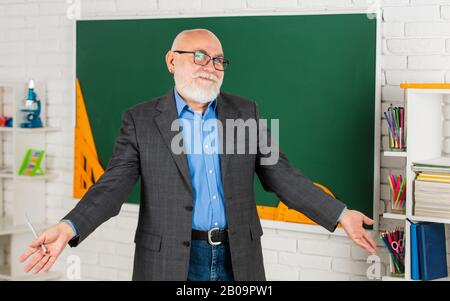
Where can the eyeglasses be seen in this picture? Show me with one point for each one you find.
(203, 59)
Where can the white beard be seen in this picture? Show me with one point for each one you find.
(191, 90)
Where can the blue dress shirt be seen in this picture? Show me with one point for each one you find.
(201, 142)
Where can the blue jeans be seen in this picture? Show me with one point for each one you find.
(210, 263)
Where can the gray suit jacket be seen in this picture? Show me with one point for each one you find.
(163, 235)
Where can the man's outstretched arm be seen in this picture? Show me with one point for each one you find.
(102, 201)
(299, 193)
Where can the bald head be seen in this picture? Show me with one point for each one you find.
(195, 81)
(190, 37)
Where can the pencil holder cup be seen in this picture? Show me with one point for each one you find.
(394, 269)
(397, 203)
(395, 145)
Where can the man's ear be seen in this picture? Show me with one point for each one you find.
(169, 61)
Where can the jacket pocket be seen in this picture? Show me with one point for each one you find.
(148, 240)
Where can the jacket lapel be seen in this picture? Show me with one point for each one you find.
(166, 105)
(225, 111)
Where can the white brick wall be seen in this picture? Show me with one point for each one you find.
(272, 4)
(36, 40)
(393, 29)
(317, 256)
(411, 13)
(174, 5)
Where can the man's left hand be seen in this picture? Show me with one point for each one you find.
(352, 221)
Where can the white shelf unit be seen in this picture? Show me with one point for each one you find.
(28, 192)
(395, 154)
(394, 216)
(424, 109)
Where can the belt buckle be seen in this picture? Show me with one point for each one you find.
(209, 237)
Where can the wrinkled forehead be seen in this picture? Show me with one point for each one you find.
(198, 40)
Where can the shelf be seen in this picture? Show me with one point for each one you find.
(4, 275)
(47, 176)
(394, 216)
(437, 88)
(29, 192)
(6, 173)
(442, 279)
(31, 131)
(395, 154)
(424, 86)
(430, 91)
(429, 219)
(37, 130)
(392, 278)
(7, 227)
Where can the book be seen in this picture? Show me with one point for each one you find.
(433, 174)
(432, 198)
(433, 208)
(435, 186)
(433, 214)
(433, 179)
(443, 162)
(432, 250)
(437, 165)
(436, 208)
(415, 269)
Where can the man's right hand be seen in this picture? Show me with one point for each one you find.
(55, 240)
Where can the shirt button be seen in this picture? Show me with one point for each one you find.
(206, 145)
(214, 197)
(215, 224)
(210, 171)
(186, 243)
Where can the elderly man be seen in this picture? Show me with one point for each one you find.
(197, 219)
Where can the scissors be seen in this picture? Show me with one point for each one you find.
(396, 241)
(397, 245)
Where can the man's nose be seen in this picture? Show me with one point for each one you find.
(209, 67)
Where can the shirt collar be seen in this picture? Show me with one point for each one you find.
(182, 105)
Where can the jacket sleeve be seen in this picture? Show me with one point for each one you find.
(290, 185)
(104, 199)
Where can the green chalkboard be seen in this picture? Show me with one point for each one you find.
(315, 73)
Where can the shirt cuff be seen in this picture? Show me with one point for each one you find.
(340, 216)
(71, 225)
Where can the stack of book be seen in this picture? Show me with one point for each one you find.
(432, 188)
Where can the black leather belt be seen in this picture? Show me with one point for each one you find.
(214, 236)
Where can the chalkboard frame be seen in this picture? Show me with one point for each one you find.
(377, 92)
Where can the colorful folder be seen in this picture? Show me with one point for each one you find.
(415, 265)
